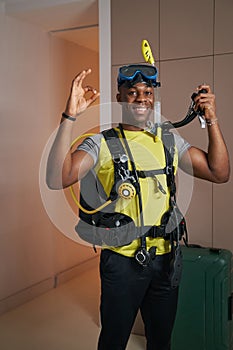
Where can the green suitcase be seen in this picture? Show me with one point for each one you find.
(204, 316)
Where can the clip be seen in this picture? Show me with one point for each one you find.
(202, 121)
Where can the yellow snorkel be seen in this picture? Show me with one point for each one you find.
(147, 53)
(148, 57)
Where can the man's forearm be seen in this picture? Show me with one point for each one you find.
(218, 158)
(59, 160)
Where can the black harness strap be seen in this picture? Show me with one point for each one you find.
(151, 173)
(169, 150)
(116, 147)
(120, 159)
(174, 217)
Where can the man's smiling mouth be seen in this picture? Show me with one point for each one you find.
(140, 109)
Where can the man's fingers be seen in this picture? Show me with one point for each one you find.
(90, 88)
(204, 86)
(81, 76)
(93, 98)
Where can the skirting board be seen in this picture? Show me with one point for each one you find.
(33, 291)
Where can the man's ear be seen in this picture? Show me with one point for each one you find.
(118, 97)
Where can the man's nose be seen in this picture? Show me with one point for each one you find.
(140, 97)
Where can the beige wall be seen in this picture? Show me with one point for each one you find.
(192, 43)
(36, 70)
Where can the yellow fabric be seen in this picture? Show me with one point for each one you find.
(162, 246)
(148, 153)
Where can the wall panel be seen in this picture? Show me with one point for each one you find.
(133, 21)
(186, 28)
(223, 29)
(223, 194)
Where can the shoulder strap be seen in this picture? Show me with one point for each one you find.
(169, 150)
(114, 144)
(119, 157)
(176, 217)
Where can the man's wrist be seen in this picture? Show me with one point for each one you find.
(211, 122)
(69, 117)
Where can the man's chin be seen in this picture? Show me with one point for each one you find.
(141, 118)
(139, 121)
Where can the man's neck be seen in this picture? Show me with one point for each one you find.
(132, 127)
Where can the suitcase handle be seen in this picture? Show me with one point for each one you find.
(230, 307)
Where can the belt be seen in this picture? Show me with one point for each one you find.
(157, 231)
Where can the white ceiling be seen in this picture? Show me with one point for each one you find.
(73, 20)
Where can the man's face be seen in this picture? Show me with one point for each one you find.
(137, 103)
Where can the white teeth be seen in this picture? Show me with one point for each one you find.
(140, 108)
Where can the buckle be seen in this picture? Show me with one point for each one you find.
(169, 170)
(142, 256)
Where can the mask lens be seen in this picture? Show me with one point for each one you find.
(149, 72)
(128, 73)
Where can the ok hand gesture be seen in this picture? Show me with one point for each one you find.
(77, 102)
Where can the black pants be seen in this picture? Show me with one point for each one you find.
(127, 287)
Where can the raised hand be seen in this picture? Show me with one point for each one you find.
(78, 101)
(206, 102)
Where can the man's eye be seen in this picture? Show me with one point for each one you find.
(132, 93)
(148, 93)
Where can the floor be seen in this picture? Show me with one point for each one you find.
(65, 318)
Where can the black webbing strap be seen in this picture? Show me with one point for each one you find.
(117, 152)
(173, 212)
(143, 238)
(151, 173)
(169, 149)
(114, 144)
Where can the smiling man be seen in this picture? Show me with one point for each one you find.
(136, 273)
